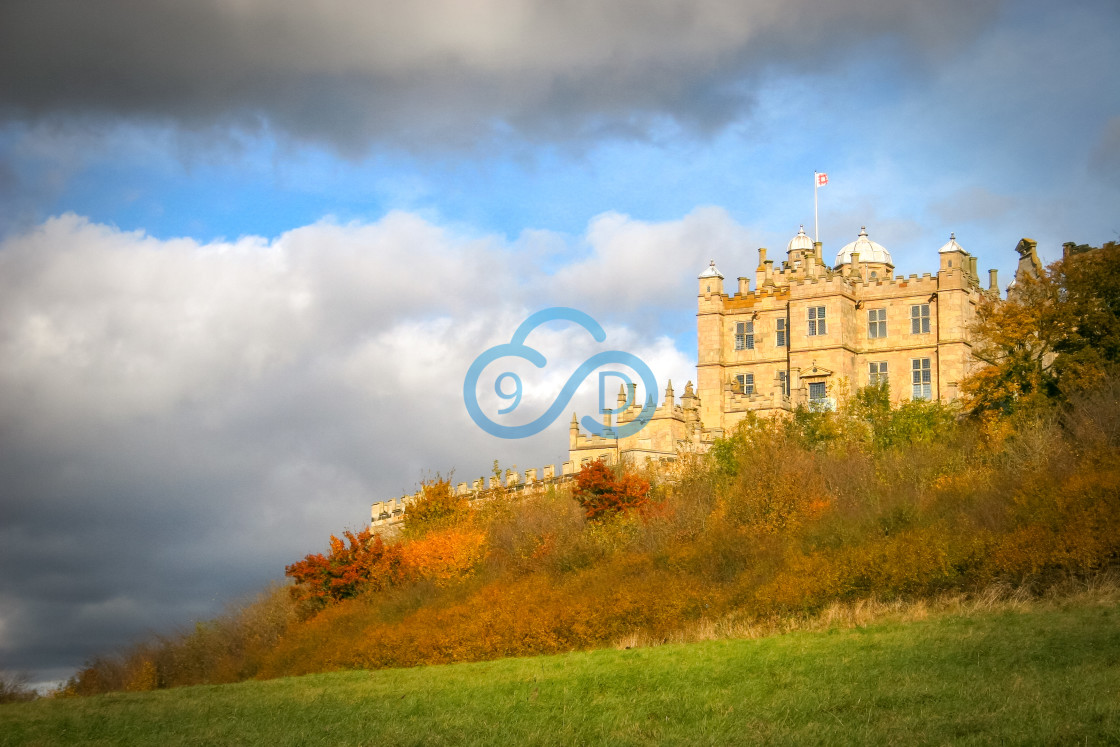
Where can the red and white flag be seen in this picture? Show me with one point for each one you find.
(822, 179)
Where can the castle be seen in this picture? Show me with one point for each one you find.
(807, 330)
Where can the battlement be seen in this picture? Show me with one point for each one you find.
(673, 427)
(386, 516)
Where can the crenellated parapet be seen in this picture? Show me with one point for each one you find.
(388, 515)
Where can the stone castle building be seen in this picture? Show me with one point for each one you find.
(799, 335)
(805, 330)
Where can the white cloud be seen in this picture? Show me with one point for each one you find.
(635, 264)
(181, 419)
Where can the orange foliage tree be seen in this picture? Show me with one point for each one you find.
(602, 493)
(365, 562)
(443, 555)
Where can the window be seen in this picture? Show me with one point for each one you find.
(818, 397)
(919, 319)
(745, 383)
(817, 324)
(780, 340)
(783, 382)
(876, 323)
(877, 372)
(744, 335)
(920, 372)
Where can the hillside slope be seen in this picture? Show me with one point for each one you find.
(1036, 672)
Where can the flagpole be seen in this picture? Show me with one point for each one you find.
(816, 185)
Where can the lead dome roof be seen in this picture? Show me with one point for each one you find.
(868, 250)
(800, 242)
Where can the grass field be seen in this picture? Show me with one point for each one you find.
(1047, 673)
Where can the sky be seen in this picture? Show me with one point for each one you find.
(249, 248)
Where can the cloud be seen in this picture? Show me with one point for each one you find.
(446, 73)
(181, 419)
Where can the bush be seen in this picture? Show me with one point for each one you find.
(603, 493)
(438, 506)
(346, 571)
(13, 687)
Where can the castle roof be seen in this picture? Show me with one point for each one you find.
(868, 250)
(951, 246)
(800, 242)
(711, 272)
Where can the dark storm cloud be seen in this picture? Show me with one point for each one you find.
(446, 72)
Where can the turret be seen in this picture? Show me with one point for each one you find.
(711, 280)
(953, 256)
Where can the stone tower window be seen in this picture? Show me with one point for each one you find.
(780, 336)
(919, 319)
(745, 383)
(744, 335)
(817, 323)
(920, 379)
(877, 372)
(876, 323)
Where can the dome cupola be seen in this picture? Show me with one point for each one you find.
(800, 242)
(868, 251)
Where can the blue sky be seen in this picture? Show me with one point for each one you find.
(247, 250)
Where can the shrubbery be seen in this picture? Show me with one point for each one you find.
(602, 492)
(783, 516)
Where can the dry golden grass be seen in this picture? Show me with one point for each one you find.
(1101, 589)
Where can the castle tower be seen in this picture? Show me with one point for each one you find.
(709, 341)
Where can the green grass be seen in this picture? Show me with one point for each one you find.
(1050, 674)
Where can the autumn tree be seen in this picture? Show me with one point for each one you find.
(1088, 350)
(363, 561)
(1056, 333)
(602, 493)
(1015, 338)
